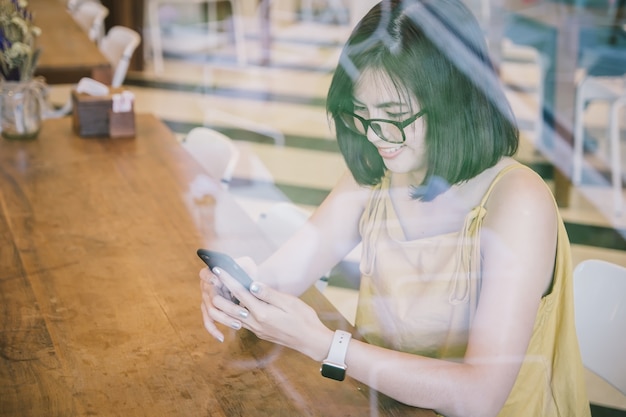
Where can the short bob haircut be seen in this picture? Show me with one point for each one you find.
(435, 50)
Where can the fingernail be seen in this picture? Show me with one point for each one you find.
(243, 314)
(220, 338)
(217, 271)
(255, 288)
(235, 325)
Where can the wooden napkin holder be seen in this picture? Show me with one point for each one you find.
(93, 116)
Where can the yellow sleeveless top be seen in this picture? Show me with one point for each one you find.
(420, 296)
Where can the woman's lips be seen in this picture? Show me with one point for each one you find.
(390, 152)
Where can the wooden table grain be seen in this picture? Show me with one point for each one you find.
(67, 54)
(99, 292)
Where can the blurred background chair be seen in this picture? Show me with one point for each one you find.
(153, 24)
(281, 221)
(73, 4)
(326, 11)
(612, 90)
(118, 47)
(214, 151)
(219, 156)
(222, 158)
(600, 310)
(601, 79)
(90, 16)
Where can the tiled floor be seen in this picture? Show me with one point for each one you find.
(260, 105)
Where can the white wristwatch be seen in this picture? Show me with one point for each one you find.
(334, 366)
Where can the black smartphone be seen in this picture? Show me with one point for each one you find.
(221, 260)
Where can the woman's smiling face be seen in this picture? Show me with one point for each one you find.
(377, 97)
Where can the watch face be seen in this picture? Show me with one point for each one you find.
(333, 372)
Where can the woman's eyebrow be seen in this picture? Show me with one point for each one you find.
(383, 105)
(388, 104)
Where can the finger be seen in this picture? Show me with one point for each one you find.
(234, 286)
(213, 285)
(205, 274)
(233, 310)
(206, 286)
(270, 296)
(223, 318)
(209, 324)
(211, 290)
(212, 296)
(209, 277)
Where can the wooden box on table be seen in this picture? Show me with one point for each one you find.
(94, 116)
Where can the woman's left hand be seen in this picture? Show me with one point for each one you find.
(273, 316)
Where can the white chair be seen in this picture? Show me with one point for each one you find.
(118, 47)
(215, 151)
(612, 90)
(600, 309)
(219, 157)
(72, 5)
(154, 26)
(333, 10)
(90, 16)
(222, 158)
(281, 221)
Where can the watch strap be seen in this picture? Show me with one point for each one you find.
(339, 348)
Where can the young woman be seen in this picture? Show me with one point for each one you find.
(466, 296)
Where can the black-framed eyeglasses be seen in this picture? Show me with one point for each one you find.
(391, 131)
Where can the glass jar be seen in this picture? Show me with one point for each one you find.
(21, 108)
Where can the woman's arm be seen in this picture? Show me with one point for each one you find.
(519, 240)
(327, 237)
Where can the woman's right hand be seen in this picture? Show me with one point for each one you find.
(211, 287)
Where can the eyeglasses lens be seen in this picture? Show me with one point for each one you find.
(353, 123)
(387, 132)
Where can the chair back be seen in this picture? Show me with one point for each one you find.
(215, 151)
(600, 308)
(118, 47)
(90, 16)
(281, 221)
(72, 5)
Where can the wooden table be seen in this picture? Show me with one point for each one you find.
(99, 291)
(67, 54)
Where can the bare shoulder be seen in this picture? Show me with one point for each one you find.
(522, 224)
(347, 190)
(346, 201)
(521, 194)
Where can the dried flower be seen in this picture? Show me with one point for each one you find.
(18, 56)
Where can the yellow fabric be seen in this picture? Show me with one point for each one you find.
(420, 296)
